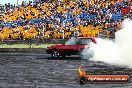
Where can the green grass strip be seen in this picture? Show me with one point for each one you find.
(24, 45)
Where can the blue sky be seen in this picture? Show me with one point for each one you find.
(13, 1)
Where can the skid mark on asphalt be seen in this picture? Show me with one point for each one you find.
(30, 71)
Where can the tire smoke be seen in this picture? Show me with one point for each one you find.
(117, 52)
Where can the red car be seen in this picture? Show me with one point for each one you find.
(73, 46)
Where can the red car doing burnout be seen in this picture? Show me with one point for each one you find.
(73, 46)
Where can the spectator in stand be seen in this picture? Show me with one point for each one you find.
(54, 17)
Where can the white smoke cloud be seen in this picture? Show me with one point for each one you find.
(118, 52)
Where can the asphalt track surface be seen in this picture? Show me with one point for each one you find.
(32, 70)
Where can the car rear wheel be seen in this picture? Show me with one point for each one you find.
(55, 54)
(87, 56)
(81, 56)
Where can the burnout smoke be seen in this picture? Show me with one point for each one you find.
(72, 41)
(118, 52)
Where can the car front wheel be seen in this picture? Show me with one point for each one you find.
(55, 54)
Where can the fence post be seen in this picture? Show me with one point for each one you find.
(63, 34)
(98, 33)
(43, 31)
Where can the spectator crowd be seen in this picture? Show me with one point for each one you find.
(63, 18)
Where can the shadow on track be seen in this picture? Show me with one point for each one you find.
(60, 58)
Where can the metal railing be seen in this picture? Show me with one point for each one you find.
(104, 34)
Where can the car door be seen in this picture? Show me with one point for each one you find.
(84, 42)
(69, 47)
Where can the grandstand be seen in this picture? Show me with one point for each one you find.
(62, 18)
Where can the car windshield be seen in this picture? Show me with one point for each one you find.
(78, 41)
(71, 41)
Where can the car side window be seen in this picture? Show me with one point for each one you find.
(86, 41)
(78, 42)
(71, 41)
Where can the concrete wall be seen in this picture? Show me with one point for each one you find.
(36, 41)
(33, 41)
(31, 50)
